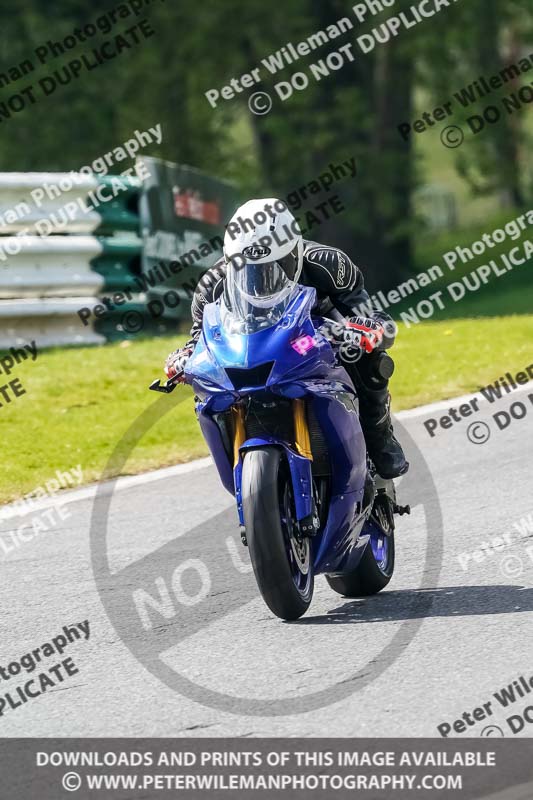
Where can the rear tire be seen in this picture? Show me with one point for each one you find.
(282, 562)
(371, 574)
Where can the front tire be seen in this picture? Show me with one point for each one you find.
(281, 560)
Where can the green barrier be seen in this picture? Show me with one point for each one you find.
(183, 213)
(133, 321)
(122, 212)
(159, 310)
(119, 263)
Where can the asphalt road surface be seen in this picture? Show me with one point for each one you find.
(452, 629)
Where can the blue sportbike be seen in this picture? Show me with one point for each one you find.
(280, 416)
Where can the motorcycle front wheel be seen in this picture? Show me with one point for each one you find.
(282, 560)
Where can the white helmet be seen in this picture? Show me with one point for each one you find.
(265, 232)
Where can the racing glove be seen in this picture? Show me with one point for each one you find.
(371, 333)
(175, 363)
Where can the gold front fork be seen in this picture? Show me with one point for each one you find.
(239, 435)
(301, 430)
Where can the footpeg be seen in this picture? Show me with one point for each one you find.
(401, 510)
(309, 526)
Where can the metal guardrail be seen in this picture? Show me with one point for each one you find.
(50, 321)
(58, 254)
(71, 241)
(58, 266)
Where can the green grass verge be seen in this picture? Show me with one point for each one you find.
(80, 401)
(438, 360)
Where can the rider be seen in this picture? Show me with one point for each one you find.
(265, 231)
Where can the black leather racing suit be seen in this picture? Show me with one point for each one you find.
(337, 281)
(327, 269)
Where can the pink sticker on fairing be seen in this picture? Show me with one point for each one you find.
(303, 344)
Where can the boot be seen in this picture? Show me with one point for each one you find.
(383, 447)
(374, 414)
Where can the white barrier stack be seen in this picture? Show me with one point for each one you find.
(28, 197)
(58, 266)
(50, 322)
(45, 279)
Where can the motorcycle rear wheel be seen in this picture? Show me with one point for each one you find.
(282, 560)
(375, 569)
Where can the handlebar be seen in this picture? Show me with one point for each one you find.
(336, 316)
(338, 332)
(335, 328)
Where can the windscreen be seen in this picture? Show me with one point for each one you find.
(255, 296)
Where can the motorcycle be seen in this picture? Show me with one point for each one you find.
(279, 414)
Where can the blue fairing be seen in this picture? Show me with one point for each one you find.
(218, 349)
(296, 371)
